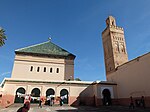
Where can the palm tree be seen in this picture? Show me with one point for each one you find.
(2, 37)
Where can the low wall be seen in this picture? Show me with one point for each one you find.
(6, 100)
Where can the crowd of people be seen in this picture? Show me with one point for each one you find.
(50, 100)
(137, 103)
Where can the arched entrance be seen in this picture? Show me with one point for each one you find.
(49, 92)
(64, 93)
(35, 93)
(18, 99)
(106, 97)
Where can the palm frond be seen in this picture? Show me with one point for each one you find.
(2, 37)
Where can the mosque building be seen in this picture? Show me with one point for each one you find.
(46, 69)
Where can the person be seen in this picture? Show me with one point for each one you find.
(27, 98)
(25, 108)
(60, 101)
(137, 103)
(131, 103)
(27, 101)
(50, 101)
(142, 102)
(40, 102)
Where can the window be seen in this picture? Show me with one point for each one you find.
(38, 69)
(44, 69)
(31, 69)
(50, 70)
(116, 47)
(122, 48)
(57, 71)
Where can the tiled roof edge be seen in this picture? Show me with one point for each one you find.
(31, 46)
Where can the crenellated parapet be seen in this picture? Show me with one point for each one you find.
(116, 27)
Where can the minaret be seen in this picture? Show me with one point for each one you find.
(115, 52)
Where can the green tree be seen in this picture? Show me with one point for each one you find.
(77, 79)
(2, 37)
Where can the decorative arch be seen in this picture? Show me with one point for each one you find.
(49, 92)
(122, 48)
(18, 99)
(116, 47)
(106, 97)
(35, 93)
(64, 92)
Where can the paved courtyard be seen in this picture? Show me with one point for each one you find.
(65, 108)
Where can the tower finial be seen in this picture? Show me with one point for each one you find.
(49, 38)
(110, 21)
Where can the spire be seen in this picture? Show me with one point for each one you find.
(110, 21)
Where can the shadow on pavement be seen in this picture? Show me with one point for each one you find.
(104, 109)
(69, 110)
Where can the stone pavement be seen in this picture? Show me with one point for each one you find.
(65, 108)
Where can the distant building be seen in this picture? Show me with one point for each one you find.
(46, 69)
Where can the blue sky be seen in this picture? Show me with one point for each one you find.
(75, 25)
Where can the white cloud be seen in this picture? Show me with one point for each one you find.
(5, 73)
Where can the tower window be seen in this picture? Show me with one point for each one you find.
(38, 69)
(113, 23)
(122, 48)
(31, 69)
(44, 69)
(110, 68)
(51, 70)
(116, 47)
(57, 71)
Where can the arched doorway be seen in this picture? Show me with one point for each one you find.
(106, 97)
(49, 92)
(18, 99)
(35, 93)
(64, 93)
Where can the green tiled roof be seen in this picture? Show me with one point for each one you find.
(46, 48)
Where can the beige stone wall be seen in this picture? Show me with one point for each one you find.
(73, 89)
(69, 70)
(77, 90)
(22, 68)
(80, 92)
(133, 78)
